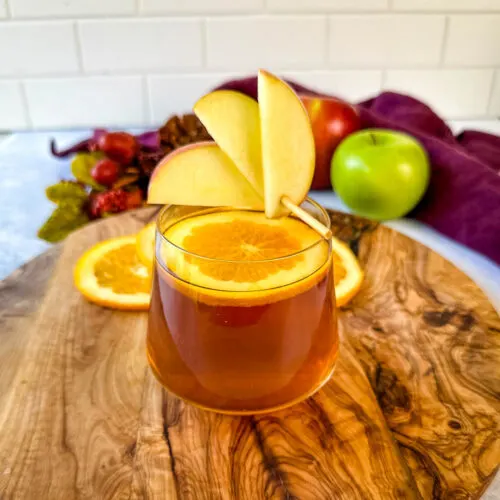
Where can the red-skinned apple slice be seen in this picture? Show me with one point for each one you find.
(201, 174)
(233, 120)
(288, 152)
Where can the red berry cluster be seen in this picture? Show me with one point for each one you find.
(126, 162)
(120, 149)
(114, 201)
(111, 172)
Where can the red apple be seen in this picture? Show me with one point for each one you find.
(332, 121)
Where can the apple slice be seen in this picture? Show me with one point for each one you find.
(288, 153)
(233, 120)
(201, 174)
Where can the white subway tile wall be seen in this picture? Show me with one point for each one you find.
(79, 63)
(454, 93)
(171, 94)
(386, 40)
(70, 8)
(327, 5)
(199, 6)
(37, 48)
(86, 101)
(446, 5)
(270, 41)
(473, 40)
(350, 85)
(12, 109)
(140, 45)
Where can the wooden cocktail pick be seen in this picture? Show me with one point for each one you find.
(306, 218)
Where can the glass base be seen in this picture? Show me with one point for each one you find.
(270, 409)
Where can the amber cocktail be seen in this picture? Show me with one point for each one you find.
(242, 316)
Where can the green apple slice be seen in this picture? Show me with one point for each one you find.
(233, 120)
(288, 152)
(201, 174)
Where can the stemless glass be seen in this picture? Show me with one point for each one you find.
(241, 351)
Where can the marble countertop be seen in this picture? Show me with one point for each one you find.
(26, 168)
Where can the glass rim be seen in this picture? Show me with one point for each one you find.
(320, 239)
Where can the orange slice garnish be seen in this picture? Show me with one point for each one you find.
(110, 274)
(243, 258)
(348, 275)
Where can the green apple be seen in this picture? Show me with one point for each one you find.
(381, 174)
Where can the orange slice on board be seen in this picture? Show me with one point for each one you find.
(145, 244)
(111, 275)
(347, 273)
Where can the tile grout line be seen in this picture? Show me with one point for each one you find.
(489, 104)
(383, 79)
(204, 43)
(26, 109)
(444, 46)
(328, 29)
(138, 14)
(188, 72)
(78, 47)
(8, 12)
(146, 95)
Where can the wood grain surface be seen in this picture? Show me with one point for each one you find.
(412, 410)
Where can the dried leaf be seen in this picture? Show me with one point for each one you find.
(81, 166)
(64, 219)
(125, 180)
(82, 146)
(132, 170)
(67, 191)
(149, 140)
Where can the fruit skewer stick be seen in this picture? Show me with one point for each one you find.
(306, 218)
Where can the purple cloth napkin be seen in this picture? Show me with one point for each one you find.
(463, 199)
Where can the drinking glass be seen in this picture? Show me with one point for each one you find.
(241, 351)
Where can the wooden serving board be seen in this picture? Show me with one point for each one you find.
(412, 411)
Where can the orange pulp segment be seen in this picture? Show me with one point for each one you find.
(243, 258)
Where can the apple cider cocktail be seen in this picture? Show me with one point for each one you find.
(242, 317)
